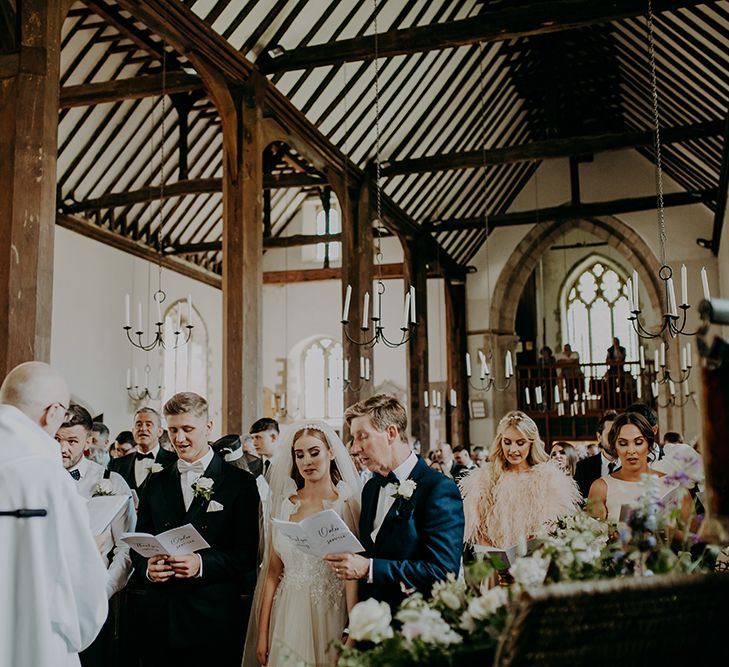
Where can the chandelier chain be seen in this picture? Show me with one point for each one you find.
(657, 127)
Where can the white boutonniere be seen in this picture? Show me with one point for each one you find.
(203, 488)
(153, 468)
(404, 490)
(103, 488)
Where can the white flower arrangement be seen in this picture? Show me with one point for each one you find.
(103, 488)
(405, 489)
(424, 623)
(154, 468)
(203, 488)
(370, 621)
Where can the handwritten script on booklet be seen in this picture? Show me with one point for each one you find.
(320, 534)
(180, 541)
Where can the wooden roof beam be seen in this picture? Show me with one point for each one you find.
(722, 192)
(489, 26)
(550, 148)
(128, 89)
(569, 212)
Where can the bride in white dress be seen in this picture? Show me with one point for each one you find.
(300, 607)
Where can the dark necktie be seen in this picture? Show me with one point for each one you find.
(384, 480)
(139, 457)
(76, 474)
(611, 466)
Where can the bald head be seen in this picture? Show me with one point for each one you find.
(37, 391)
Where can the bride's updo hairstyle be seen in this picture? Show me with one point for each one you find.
(528, 428)
(319, 435)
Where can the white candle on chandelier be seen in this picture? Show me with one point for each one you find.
(413, 312)
(468, 365)
(684, 286)
(635, 291)
(439, 397)
(654, 389)
(376, 305)
(362, 367)
(688, 355)
(425, 399)
(538, 395)
(140, 326)
(159, 310)
(509, 367)
(129, 378)
(663, 355)
(656, 365)
(127, 312)
(406, 313)
(684, 365)
(686, 389)
(642, 357)
(672, 387)
(526, 396)
(347, 300)
(630, 295)
(346, 370)
(366, 312)
(435, 398)
(557, 396)
(639, 389)
(705, 284)
(454, 398)
(672, 310)
(367, 369)
(189, 310)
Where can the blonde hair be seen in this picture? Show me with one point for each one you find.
(528, 428)
(383, 410)
(187, 402)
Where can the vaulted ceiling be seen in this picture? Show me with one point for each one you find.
(471, 96)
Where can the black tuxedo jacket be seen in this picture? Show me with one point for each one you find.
(124, 465)
(587, 471)
(420, 540)
(208, 610)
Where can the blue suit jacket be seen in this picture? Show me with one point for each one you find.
(420, 540)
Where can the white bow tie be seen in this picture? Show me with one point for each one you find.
(184, 466)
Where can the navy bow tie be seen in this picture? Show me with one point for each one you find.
(384, 480)
(139, 456)
(76, 474)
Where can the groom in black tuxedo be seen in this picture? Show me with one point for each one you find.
(411, 524)
(193, 613)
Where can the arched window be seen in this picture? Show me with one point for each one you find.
(322, 380)
(185, 367)
(595, 309)
(335, 227)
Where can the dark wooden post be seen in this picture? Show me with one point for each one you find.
(29, 90)
(242, 257)
(457, 424)
(416, 274)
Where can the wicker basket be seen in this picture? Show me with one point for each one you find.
(660, 620)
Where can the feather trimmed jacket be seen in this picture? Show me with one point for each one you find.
(502, 510)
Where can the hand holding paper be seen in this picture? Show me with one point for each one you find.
(180, 541)
(320, 534)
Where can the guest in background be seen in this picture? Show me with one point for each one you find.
(123, 444)
(53, 601)
(98, 449)
(479, 455)
(569, 361)
(444, 454)
(566, 455)
(135, 468)
(92, 480)
(597, 465)
(464, 464)
(631, 440)
(230, 449)
(518, 490)
(265, 433)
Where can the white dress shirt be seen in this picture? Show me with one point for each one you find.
(605, 463)
(120, 568)
(386, 499)
(187, 479)
(142, 466)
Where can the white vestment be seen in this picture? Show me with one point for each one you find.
(120, 568)
(52, 578)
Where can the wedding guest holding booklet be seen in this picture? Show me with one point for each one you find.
(192, 611)
(300, 605)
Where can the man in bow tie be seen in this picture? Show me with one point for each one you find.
(194, 601)
(136, 467)
(411, 524)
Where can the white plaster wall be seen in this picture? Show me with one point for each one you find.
(88, 344)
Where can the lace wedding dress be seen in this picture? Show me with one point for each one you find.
(309, 608)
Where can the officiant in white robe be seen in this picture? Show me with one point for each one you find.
(52, 577)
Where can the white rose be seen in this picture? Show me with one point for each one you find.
(370, 621)
(407, 488)
(529, 571)
(450, 599)
(154, 468)
(204, 483)
(105, 486)
(487, 604)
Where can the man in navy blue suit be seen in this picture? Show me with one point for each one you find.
(411, 524)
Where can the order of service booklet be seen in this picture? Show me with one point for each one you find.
(320, 534)
(506, 556)
(180, 541)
